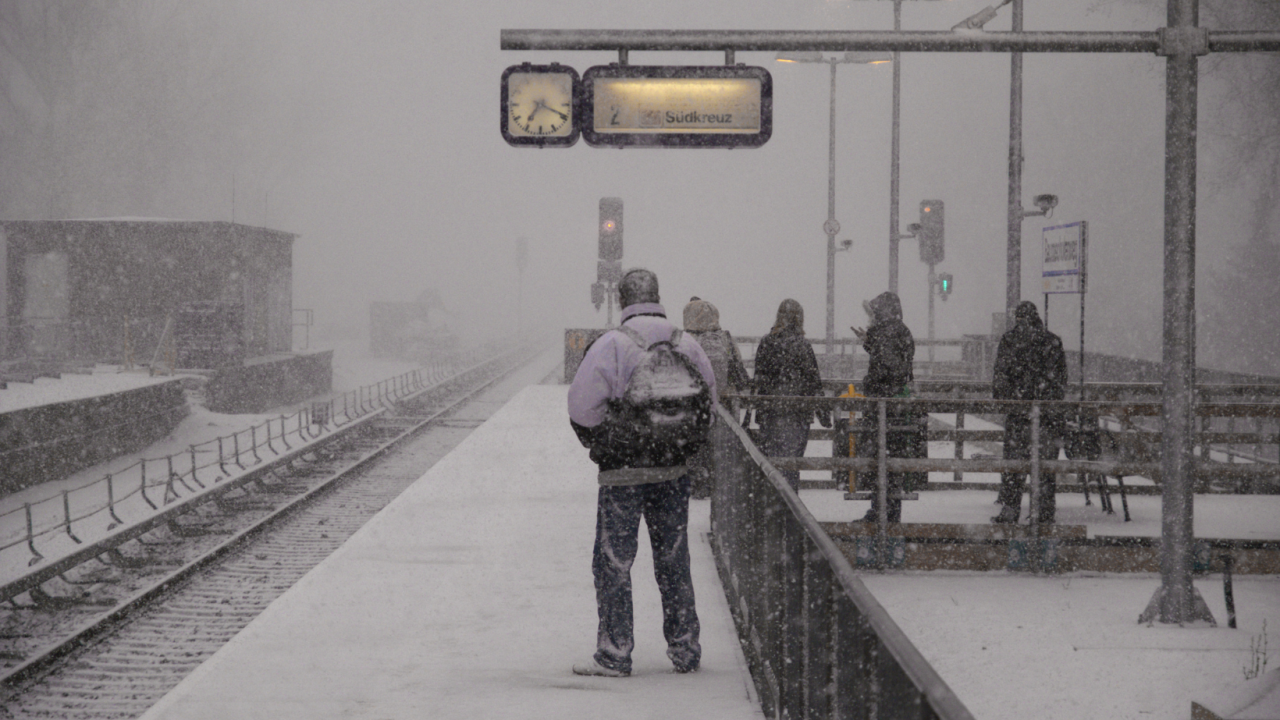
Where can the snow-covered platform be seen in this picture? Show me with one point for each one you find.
(470, 596)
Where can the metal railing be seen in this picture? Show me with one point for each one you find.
(1140, 456)
(818, 644)
(132, 499)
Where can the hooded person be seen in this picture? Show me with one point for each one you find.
(1030, 365)
(786, 365)
(891, 351)
(702, 321)
(890, 347)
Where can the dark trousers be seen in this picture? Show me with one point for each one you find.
(785, 436)
(1017, 446)
(665, 509)
(905, 437)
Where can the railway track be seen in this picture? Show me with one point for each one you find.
(109, 638)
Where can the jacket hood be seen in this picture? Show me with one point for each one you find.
(883, 308)
(1026, 314)
(701, 316)
(790, 317)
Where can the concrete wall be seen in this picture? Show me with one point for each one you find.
(265, 383)
(50, 442)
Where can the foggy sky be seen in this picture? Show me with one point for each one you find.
(371, 129)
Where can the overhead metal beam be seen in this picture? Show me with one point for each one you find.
(878, 40)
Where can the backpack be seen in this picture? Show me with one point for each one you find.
(664, 415)
(716, 345)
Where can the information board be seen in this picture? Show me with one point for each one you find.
(1064, 258)
(677, 106)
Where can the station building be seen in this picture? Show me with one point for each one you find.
(210, 301)
(105, 290)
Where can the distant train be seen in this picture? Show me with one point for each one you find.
(410, 331)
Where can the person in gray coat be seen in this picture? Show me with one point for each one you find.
(702, 321)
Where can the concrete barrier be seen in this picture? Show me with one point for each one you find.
(49, 442)
(269, 382)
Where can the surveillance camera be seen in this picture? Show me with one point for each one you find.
(1046, 202)
(846, 244)
(913, 228)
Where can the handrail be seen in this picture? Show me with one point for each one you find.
(818, 643)
(1001, 407)
(1142, 459)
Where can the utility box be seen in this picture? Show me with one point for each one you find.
(576, 342)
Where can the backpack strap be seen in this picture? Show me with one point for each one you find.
(634, 335)
(639, 339)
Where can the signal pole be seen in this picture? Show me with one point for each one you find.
(609, 266)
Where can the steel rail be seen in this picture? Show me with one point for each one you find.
(1202, 469)
(1119, 409)
(118, 614)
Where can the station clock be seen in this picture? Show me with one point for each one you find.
(540, 105)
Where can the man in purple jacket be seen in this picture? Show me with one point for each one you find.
(658, 494)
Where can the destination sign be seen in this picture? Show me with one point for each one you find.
(1064, 258)
(677, 106)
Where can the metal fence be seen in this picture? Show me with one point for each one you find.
(153, 485)
(818, 644)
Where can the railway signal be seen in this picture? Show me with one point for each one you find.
(611, 229)
(931, 231)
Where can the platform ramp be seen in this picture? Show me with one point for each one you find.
(471, 596)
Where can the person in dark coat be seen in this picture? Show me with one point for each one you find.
(1030, 365)
(786, 365)
(891, 351)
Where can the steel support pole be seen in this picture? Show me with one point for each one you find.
(1177, 600)
(894, 155)
(831, 227)
(1013, 252)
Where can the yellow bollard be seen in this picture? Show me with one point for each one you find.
(853, 443)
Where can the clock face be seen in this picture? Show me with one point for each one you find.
(539, 105)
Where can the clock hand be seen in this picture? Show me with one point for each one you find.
(539, 104)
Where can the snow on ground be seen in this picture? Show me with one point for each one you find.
(104, 380)
(1070, 647)
(470, 596)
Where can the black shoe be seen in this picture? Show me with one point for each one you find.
(1007, 516)
(684, 661)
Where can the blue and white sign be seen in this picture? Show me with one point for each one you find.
(1064, 258)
